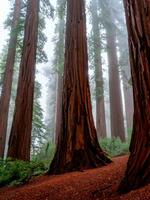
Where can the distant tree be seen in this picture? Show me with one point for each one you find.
(50, 118)
(55, 74)
(78, 146)
(59, 62)
(97, 62)
(138, 167)
(20, 137)
(8, 76)
(125, 71)
(116, 105)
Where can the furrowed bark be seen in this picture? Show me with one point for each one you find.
(138, 167)
(78, 146)
(20, 136)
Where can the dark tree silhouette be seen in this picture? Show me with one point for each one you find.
(138, 167)
(20, 137)
(78, 146)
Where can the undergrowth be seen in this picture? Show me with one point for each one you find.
(115, 147)
(19, 172)
(15, 172)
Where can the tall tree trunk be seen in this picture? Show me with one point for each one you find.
(60, 69)
(20, 136)
(116, 107)
(138, 167)
(58, 105)
(78, 146)
(128, 97)
(8, 76)
(100, 107)
(126, 76)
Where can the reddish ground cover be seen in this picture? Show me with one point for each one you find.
(94, 184)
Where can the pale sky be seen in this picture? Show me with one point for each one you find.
(5, 5)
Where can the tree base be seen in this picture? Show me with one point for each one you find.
(81, 160)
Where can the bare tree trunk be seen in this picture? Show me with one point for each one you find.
(60, 69)
(20, 137)
(138, 167)
(116, 107)
(100, 107)
(78, 146)
(128, 95)
(126, 76)
(58, 105)
(8, 76)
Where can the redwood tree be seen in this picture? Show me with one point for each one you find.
(116, 107)
(100, 106)
(8, 76)
(20, 136)
(59, 62)
(78, 146)
(125, 72)
(138, 167)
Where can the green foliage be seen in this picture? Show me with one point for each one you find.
(115, 147)
(46, 154)
(2, 65)
(16, 172)
(38, 128)
(19, 172)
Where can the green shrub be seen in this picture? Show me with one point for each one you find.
(19, 172)
(114, 147)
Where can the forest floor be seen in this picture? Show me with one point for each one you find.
(94, 184)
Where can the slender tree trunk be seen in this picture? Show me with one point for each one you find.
(20, 137)
(138, 167)
(78, 146)
(126, 77)
(128, 96)
(58, 105)
(60, 69)
(8, 76)
(116, 107)
(100, 107)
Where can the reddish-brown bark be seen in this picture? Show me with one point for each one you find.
(78, 146)
(8, 76)
(116, 108)
(20, 137)
(138, 167)
(100, 106)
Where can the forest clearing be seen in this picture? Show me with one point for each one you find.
(75, 99)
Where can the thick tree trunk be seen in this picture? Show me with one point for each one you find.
(78, 146)
(8, 76)
(100, 107)
(116, 107)
(20, 137)
(138, 167)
